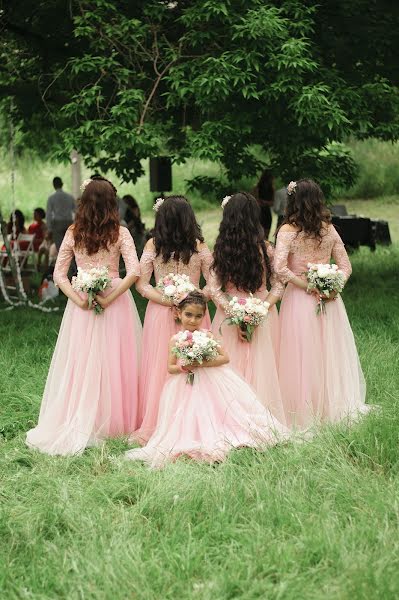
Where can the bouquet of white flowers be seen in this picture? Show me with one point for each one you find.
(175, 287)
(325, 279)
(92, 282)
(194, 347)
(247, 313)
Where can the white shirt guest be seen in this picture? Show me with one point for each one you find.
(61, 208)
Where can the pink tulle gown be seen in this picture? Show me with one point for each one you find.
(206, 420)
(255, 361)
(92, 386)
(159, 326)
(320, 374)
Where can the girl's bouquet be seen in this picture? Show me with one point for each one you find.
(92, 282)
(325, 279)
(194, 347)
(247, 313)
(175, 287)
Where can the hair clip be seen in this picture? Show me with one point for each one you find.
(84, 185)
(225, 201)
(291, 187)
(158, 204)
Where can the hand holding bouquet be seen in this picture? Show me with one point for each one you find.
(92, 282)
(175, 287)
(247, 313)
(194, 348)
(324, 279)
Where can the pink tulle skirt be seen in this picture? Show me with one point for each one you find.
(91, 391)
(320, 374)
(159, 327)
(255, 361)
(206, 420)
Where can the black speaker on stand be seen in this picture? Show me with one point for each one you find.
(160, 174)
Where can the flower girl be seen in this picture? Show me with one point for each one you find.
(320, 374)
(177, 249)
(92, 385)
(243, 266)
(205, 409)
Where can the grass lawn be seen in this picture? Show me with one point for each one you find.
(319, 520)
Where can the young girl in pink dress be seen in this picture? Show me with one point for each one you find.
(320, 374)
(92, 386)
(243, 264)
(177, 247)
(215, 414)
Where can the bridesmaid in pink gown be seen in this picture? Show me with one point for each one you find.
(177, 247)
(320, 374)
(92, 386)
(243, 264)
(217, 413)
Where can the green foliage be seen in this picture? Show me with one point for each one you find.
(295, 522)
(210, 187)
(333, 167)
(123, 81)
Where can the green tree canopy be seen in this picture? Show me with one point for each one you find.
(120, 81)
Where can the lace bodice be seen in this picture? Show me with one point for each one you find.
(199, 262)
(221, 298)
(294, 250)
(104, 258)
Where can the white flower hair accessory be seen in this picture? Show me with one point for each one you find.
(225, 201)
(158, 204)
(85, 184)
(291, 187)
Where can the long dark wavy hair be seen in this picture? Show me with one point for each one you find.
(240, 254)
(306, 208)
(97, 218)
(176, 230)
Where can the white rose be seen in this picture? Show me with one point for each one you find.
(170, 290)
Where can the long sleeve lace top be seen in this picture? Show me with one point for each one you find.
(221, 297)
(199, 262)
(294, 250)
(104, 258)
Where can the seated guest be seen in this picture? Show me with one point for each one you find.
(38, 228)
(134, 222)
(19, 224)
(47, 251)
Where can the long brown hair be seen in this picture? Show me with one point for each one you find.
(306, 208)
(97, 218)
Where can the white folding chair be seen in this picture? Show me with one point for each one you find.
(25, 251)
(3, 252)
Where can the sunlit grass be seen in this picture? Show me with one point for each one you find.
(312, 521)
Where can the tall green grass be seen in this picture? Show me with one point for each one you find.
(378, 169)
(312, 521)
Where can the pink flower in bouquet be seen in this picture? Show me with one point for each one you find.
(247, 319)
(189, 336)
(168, 282)
(242, 301)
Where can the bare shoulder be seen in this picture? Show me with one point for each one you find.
(150, 246)
(201, 246)
(288, 228)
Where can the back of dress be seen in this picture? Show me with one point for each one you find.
(295, 249)
(124, 247)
